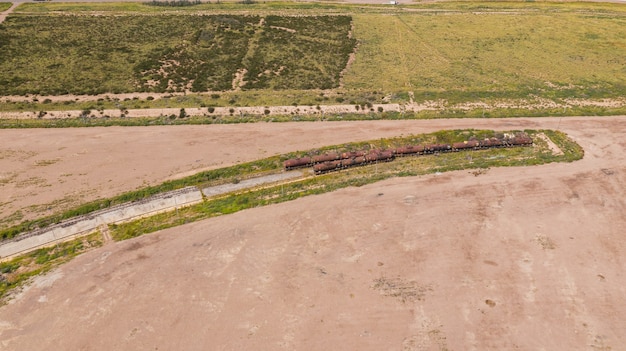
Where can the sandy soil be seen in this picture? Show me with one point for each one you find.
(515, 258)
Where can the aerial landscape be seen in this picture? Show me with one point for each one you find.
(412, 175)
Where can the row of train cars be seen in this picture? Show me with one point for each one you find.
(334, 161)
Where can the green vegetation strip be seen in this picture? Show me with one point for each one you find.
(5, 6)
(467, 56)
(206, 6)
(202, 179)
(233, 119)
(17, 271)
(86, 55)
(401, 167)
(247, 6)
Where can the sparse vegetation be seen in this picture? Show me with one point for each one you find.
(15, 272)
(479, 51)
(217, 176)
(57, 55)
(211, 118)
(492, 50)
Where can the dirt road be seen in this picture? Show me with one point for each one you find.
(517, 258)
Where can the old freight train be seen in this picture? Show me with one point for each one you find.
(332, 161)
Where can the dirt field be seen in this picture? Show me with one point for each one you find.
(516, 258)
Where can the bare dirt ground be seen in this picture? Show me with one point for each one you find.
(515, 258)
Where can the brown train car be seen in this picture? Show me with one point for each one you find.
(326, 166)
(495, 142)
(297, 162)
(430, 148)
(386, 155)
(331, 156)
(348, 162)
(372, 155)
(360, 160)
(485, 143)
(465, 145)
(520, 140)
(410, 150)
(352, 154)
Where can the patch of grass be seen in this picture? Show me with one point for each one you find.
(46, 162)
(571, 150)
(12, 218)
(87, 55)
(5, 6)
(468, 55)
(298, 40)
(289, 7)
(19, 270)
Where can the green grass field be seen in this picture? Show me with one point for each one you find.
(456, 51)
(467, 56)
(229, 6)
(4, 6)
(85, 55)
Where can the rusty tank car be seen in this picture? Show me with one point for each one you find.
(331, 156)
(333, 161)
(293, 163)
